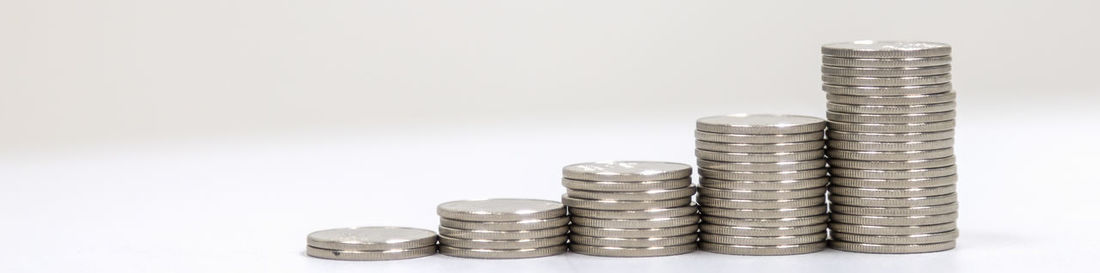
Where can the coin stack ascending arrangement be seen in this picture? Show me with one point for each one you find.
(371, 243)
(630, 208)
(502, 228)
(890, 148)
(762, 190)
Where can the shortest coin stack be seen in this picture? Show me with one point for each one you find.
(371, 243)
(502, 228)
(630, 208)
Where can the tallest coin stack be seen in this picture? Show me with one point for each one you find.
(891, 115)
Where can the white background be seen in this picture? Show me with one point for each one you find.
(212, 136)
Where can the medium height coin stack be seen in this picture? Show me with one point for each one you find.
(891, 115)
(630, 208)
(762, 190)
(502, 228)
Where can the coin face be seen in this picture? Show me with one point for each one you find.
(886, 49)
(626, 171)
(760, 124)
(371, 238)
(500, 209)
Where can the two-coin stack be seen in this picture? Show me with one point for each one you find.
(762, 190)
(371, 243)
(630, 208)
(891, 127)
(502, 228)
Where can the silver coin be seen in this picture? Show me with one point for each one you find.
(761, 166)
(890, 230)
(895, 118)
(887, 90)
(763, 185)
(607, 251)
(371, 238)
(890, 109)
(705, 201)
(889, 156)
(759, 148)
(890, 249)
(763, 176)
(635, 214)
(927, 182)
(531, 224)
(890, 137)
(626, 171)
(893, 127)
(760, 124)
(764, 213)
(634, 232)
(761, 250)
(637, 223)
(503, 244)
(759, 157)
(884, 211)
(892, 174)
(502, 235)
(758, 139)
(613, 186)
(893, 202)
(886, 81)
(649, 195)
(885, 71)
(761, 194)
(500, 209)
(893, 100)
(928, 238)
(919, 220)
(632, 242)
(893, 165)
(623, 205)
(891, 193)
(379, 255)
(763, 241)
(886, 49)
(885, 62)
(502, 253)
(764, 222)
(892, 146)
(762, 231)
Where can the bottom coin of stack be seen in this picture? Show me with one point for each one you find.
(371, 243)
(762, 190)
(502, 228)
(630, 208)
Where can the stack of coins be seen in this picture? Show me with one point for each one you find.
(762, 190)
(371, 243)
(502, 228)
(891, 128)
(630, 208)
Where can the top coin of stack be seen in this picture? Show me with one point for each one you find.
(371, 243)
(502, 228)
(630, 208)
(762, 190)
(891, 115)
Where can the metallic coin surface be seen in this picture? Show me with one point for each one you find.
(632, 242)
(635, 214)
(886, 49)
(891, 118)
(885, 71)
(757, 139)
(917, 220)
(891, 230)
(881, 211)
(761, 250)
(887, 90)
(893, 146)
(763, 185)
(886, 81)
(623, 205)
(363, 255)
(502, 235)
(500, 209)
(525, 243)
(616, 186)
(762, 231)
(637, 223)
(626, 171)
(904, 202)
(632, 251)
(760, 124)
(376, 238)
(763, 176)
(888, 156)
(506, 226)
(759, 148)
(885, 62)
(890, 109)
(890, 137)
(759, 157)
(765, 222)
(891, 193)
(890, 249)
(634, 232)
(763, 241)
(764, 213)
(761, 166)
(650, 195)
(762, 194)
(893, 100)
(502, 254)
(895, 183)
(893, 127)
(760, 204)
(893, 165)
(893, 174)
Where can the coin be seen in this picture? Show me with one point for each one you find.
(893, 165)
(637, 223)
(884, 211)
(501, 253)
(893, 100)
(635, 214)
(368, 255)
(649, 195)
(891, 193)
(758, 139)
(886, 81)
(531, 224)
(765, 222)
(759, 148)
(885, 71)
(705, 201)
(763, 185)
(886, 49)
(890, 249)
(761, 194)
(632, 242)
(634, 232)
(890, 109)
(613, 186)
(893, 127)
(890, 137)
(626, 171)
(759, 157)
(761, 250)
(525, 243)
(762, 231)
(924, 182)
(759, 124)
(916, 220)
(893, 202)
(760, 240)
(371, 238)
(502, 235)
(891, 118)
(888, 156)
(623, 205)
(887, 90)
(764, 213)
(608, 251)
(500, 209)
(927, 238)
(761, 166)
(893, 146)
(893, 174)
(891, 230)
(885, 62)
(765, 176)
